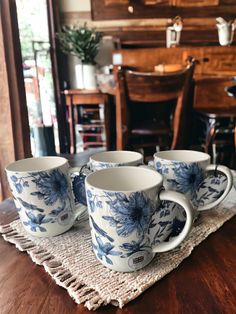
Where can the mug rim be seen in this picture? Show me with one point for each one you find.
(158, 182)
(13, 167)
(95, 157)
(199, 156)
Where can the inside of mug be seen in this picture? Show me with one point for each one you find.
(183, 155)
(36, 164)
(118, 157)
(124, 179)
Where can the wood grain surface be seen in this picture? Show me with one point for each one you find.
(203, 283)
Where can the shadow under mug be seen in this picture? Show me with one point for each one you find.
(127, 225)
(103, 160)
(41, 187)
(191, 173)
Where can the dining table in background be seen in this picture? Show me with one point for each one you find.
(205, 282)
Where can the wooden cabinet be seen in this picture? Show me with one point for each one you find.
(183, 3)
(195, 3)
(108, 3)
(143, 9)
(155, 2)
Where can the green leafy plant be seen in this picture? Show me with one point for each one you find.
(82, 42)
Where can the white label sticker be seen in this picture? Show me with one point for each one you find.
(139, 259)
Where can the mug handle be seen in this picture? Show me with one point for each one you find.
(81, 214)
(182, 201)
(81, 208)
(226, 171)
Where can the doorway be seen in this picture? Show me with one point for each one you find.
(37, 72)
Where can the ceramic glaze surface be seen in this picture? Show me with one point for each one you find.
(182, 177)
(102, 160)
(190, 172)
(112, 159)
(43, 198)
(126, 225)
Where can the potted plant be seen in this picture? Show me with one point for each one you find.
(82, 42)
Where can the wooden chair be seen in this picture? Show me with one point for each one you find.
(140, 92)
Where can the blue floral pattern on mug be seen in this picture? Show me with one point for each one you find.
(187, 178)
(130, 214)
(104, 249)
(51, 188)
(94, 166)
(126, 214)
(19, 183)
(93, 201)
(36, 221)
(78, 186)
(161, 168)
(134, 247)
(163, 224)
(210, 189)
(28, 206)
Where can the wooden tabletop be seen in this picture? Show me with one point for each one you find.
(203, 283)
(81, 91)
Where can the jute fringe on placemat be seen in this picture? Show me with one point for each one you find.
(69, 259)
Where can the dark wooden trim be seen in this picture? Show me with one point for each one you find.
(118, 12)
(54, 26)
(15, 133)
(17, 95)
(146, 37)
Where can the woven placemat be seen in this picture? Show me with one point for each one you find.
(69, 259)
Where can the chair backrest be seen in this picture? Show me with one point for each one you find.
(154, 87)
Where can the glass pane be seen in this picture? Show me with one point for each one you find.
(37, 68)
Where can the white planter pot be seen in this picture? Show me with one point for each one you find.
(72, 62)
(79, 78)
(89, 72)
(85, 76)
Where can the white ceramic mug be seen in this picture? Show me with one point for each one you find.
(116, 158)
(127, 225)
(103, 160)
(42, 192)
(187, 172)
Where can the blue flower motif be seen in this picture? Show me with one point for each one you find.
(163, 227)
(130, 214)
(104, 165)
(187, 177)
(27, 205)
(35, 221)
(51, 186)
(100, 230)
(133, 247)
(89, 193)
(92, 201)
(161, 168)
(78, 186)
(56, 211)
(105, 249)
(19, 183)
(177, 227)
